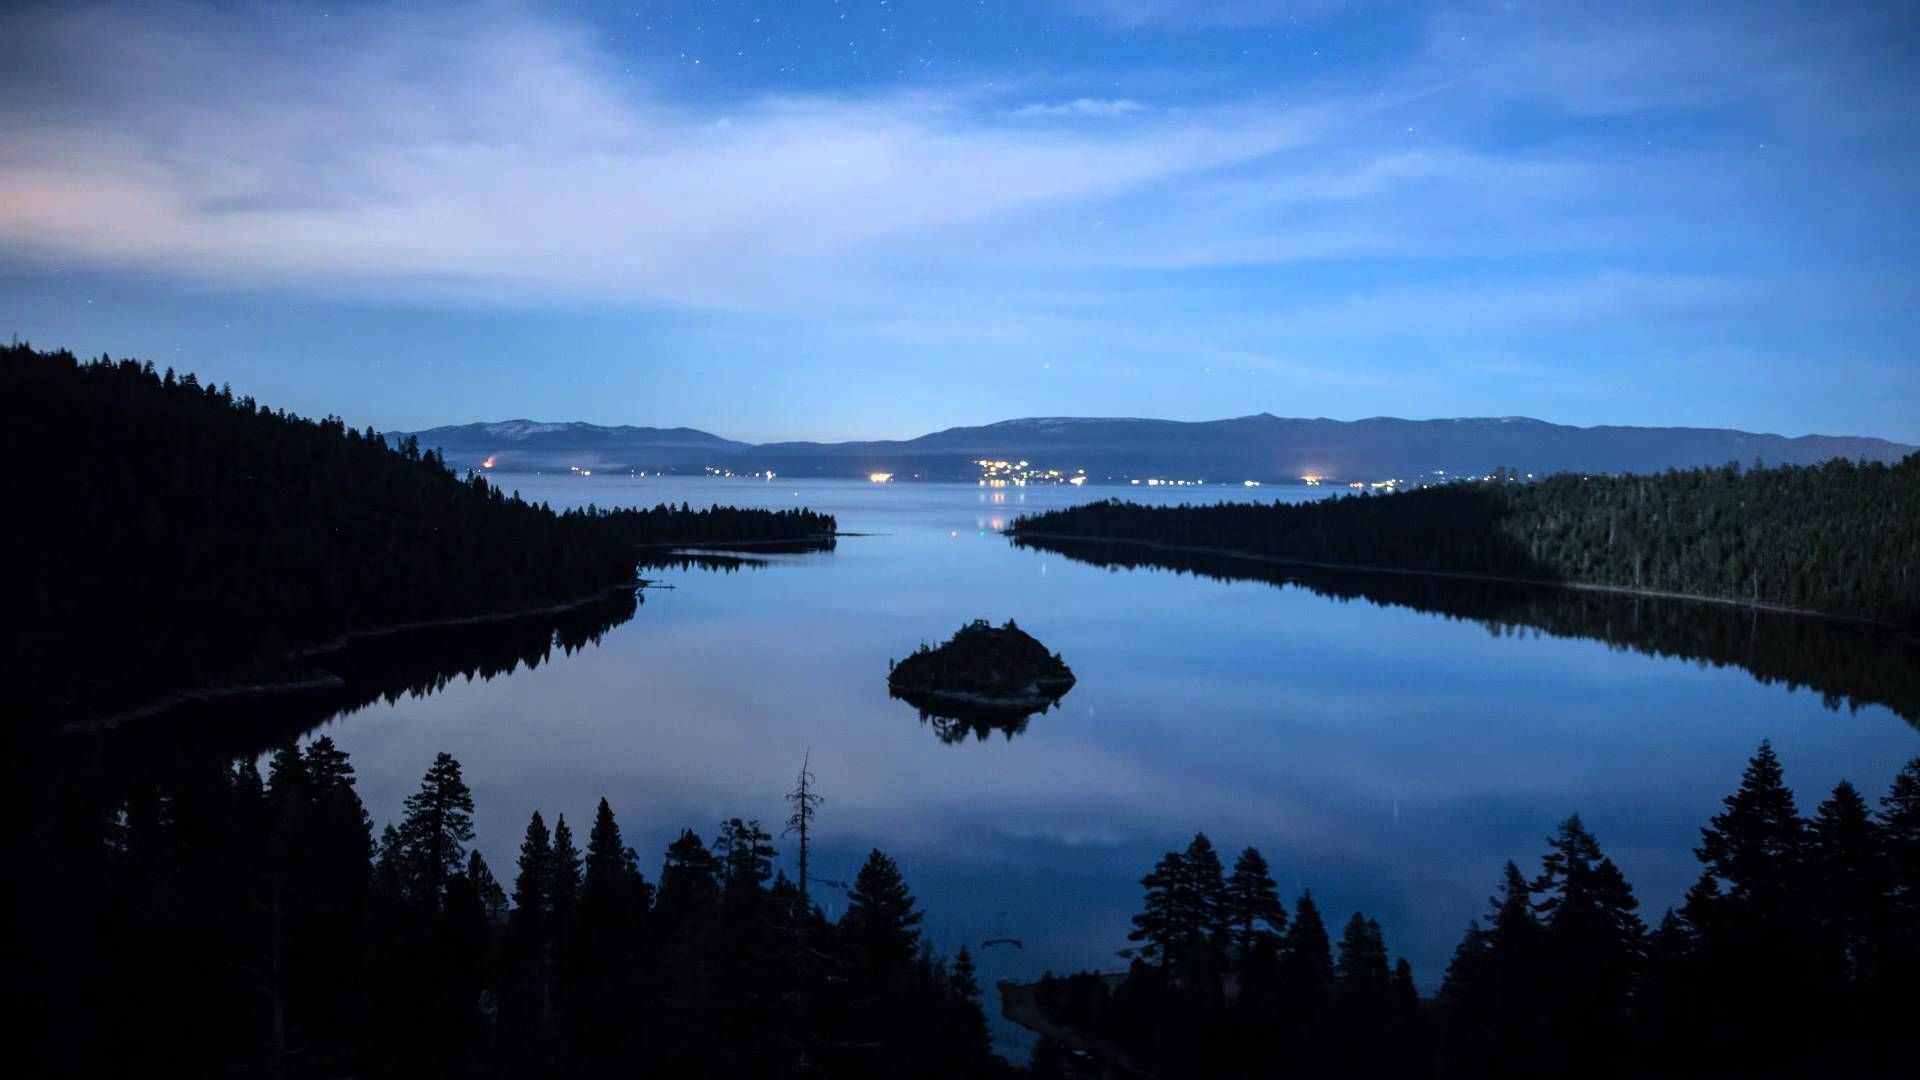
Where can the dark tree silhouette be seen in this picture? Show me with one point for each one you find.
(882, 922)
(277, 535)
(806, 803)
(1836, 538)
(434, 834)
(1254, 910)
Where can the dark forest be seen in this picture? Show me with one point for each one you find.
(187, 538)
(205, 917)
(1841, 538)
(1791, 956)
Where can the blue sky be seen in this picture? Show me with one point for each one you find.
(874, 219)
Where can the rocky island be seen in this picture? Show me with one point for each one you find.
(985, 677)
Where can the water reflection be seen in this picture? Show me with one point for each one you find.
(1390, 754)
(1848, 663)
(381, 668)
(953, 721)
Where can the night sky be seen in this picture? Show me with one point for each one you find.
(875, 219)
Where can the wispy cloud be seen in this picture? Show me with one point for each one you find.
(504, 157)
(501, 155)
(1084, 108)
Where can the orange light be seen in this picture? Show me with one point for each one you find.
(487, 464)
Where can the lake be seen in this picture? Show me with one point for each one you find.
(1387, 756)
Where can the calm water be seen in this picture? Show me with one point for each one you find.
(1387, 758)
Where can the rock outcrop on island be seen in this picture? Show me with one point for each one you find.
(983, 678)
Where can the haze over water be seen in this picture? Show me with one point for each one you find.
(1388, 759)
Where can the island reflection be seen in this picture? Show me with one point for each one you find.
(953, 721)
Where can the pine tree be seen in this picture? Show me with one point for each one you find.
(532, 888)
(1307, 962)
(436, 829)
(881, 923)
(1185, 921)
(1757, 940)
(1896, 933)
(1900, 827)
(1847, 875)
(1163, 921)
(328, 765)
(1361, 975)
(1253, 906)
(486, 889)
(970, 1045)
(606, 854)
(389, 867)
(563, 883)
(689, 881)
(1209, 896)
(745, 854)
(1757, 845)
(1592, 942)
(1489, 999)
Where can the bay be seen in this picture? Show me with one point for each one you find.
(1386, 753)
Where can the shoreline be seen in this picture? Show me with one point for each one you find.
(819, 539)
(1462, 575)
(318, 678)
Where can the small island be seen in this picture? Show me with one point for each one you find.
(985, 676)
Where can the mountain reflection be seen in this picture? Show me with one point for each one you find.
(1847, 663)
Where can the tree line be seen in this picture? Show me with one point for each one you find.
(171, 535)
(1793, 955)
(1845, 662)
(1841, 538)
(216, 921)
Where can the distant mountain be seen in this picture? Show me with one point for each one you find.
(529, 446)
(1262, 447)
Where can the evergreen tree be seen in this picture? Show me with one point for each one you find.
(1900, 827)
(1594, 945)
(1307, 961)
(1757, 950)
(1305, 989)
(1362, 975)
(1489, 999)
(1896, 933)
(689, 882)
(1165, 922)
(607, 863)
(389, 867)
(1185, 921)
(435, 831)
(1756, 846)
(970, 1045)
(881, 924)
(532, 885)
(1847, 875)
(563, 882)
(1209, 895)
(745, 854)
(486, 889)
(1254, 909)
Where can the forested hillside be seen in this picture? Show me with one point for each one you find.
(190, 535)
(1841, 538)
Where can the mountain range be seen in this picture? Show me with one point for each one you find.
(1262, 447)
